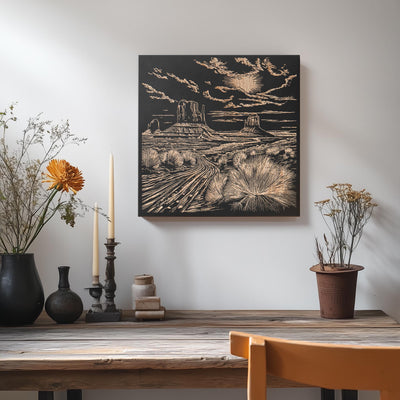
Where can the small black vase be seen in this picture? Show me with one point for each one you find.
(64, 305)
(21, 291)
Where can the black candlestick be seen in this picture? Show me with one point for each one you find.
(95, 291)
(110, 285)
(109, 312)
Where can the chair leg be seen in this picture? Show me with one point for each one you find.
(349, 395)
(327, 394)
(42, 395)
(74, 394)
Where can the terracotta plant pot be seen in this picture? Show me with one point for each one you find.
(337, 290)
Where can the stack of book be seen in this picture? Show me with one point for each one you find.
(149, 307)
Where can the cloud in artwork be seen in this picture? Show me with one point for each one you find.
(228, 120)
(244, 80)
(273, 70)
(224, 89)
(256, 103)
(216, 65)
(193, 86)
(245, 61)
(250, 83)
(264, 98)
(156, 94)
(287, 83)
(237, 114)
(157, 72)
(207, 95)
(232, 105)
(278, 120)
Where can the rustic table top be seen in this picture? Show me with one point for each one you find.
(186, 340)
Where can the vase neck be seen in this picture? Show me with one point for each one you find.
(63, 282)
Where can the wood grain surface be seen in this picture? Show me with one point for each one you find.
(188, 349)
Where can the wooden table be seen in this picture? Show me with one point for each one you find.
(190, 349)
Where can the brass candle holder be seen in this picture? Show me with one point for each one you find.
(106, 312)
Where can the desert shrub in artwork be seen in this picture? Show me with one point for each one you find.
(215, 190)
(150, 159)
(259, 185)
(163, 157)
(238, 158)
(290, 152)
(272, 151)
(174, 159)
(252, 153)
(189, 157)
(222, 161)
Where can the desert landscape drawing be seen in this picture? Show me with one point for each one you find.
(219, 135)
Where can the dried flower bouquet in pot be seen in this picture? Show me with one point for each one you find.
(26, 205)
(34, 186)
(345, 213)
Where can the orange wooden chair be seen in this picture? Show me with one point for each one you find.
(320, 365)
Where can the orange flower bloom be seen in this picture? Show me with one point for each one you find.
(63, 176)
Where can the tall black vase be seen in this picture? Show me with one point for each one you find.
(64, 306)
(21, 291)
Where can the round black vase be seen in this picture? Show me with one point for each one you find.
(21, 291)
(64, 306)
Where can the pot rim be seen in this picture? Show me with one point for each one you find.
(353, 268)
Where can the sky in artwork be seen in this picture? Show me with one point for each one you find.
(244, 84)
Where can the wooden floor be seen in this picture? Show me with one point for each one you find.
(190, 349)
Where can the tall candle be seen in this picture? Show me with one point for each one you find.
(95, 264)
(111, 231)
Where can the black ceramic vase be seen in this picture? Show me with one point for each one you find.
(21, 291)
(64, 305)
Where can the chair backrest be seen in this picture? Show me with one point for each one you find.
(316, 364)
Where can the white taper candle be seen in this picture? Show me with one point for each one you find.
(95, 258)
(111, 227)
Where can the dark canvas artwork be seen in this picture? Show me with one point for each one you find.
(219, 135)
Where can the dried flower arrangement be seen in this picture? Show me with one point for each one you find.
(345, 214)
(25, 206)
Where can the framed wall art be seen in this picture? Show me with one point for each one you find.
(219, 135)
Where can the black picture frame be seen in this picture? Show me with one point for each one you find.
(219, 135)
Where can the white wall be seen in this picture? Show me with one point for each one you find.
(78, 60)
